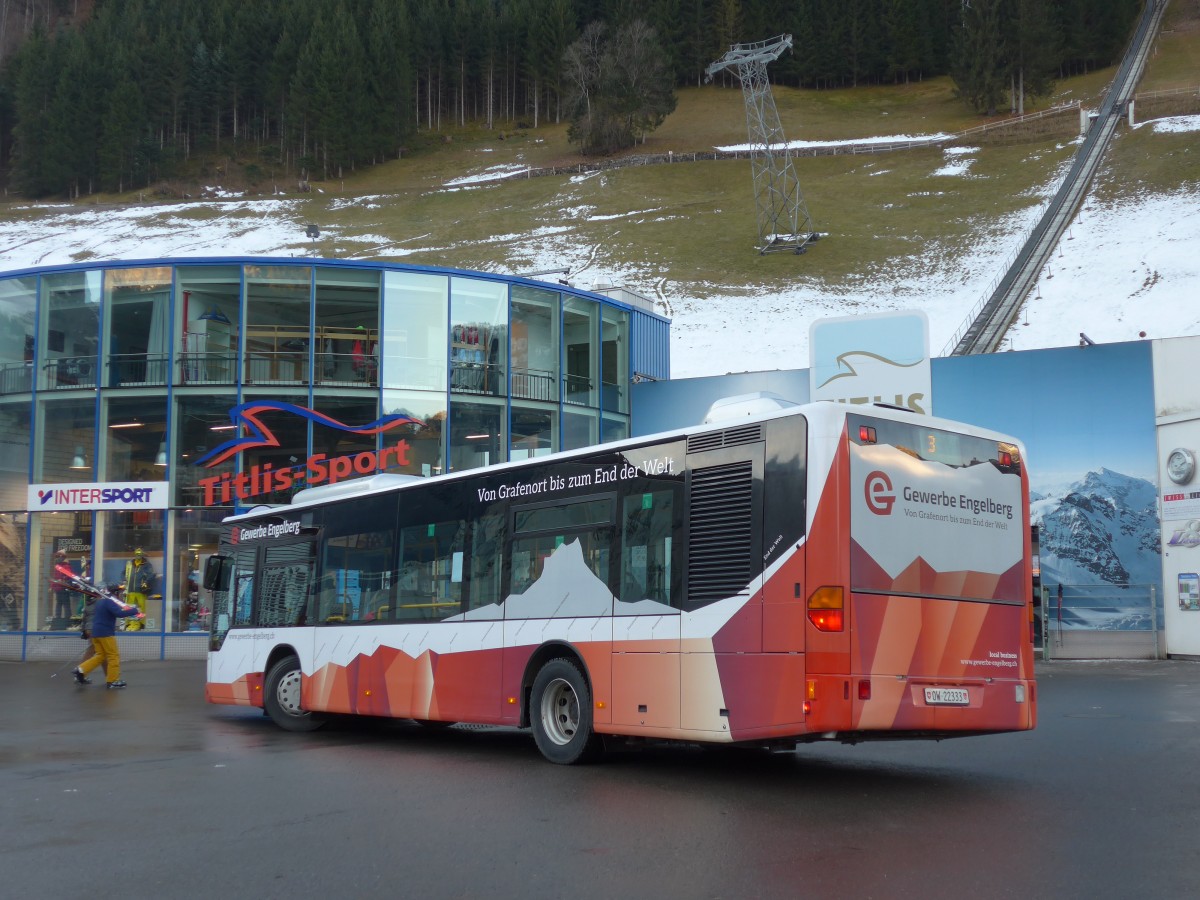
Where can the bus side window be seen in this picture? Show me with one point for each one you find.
(649, 548)
(430, 580)
(487, 561)
(329, 609)
(243, 592)
(357, 578)
(231, 604)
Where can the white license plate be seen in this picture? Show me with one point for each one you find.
(947, 696)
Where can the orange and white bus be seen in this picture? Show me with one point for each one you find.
(816, 572)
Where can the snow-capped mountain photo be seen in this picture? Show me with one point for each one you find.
(1100, 540)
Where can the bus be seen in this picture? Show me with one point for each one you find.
(818, 572)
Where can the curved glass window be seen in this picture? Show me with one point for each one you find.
(137, 313)
(534, 429)
(614, 359)
(347, 328)
(14, 453)
(68, 342)
(415, 321)
(478, 336)
(201, 424)
(208, 313)
(65, 440)
(476, 433)
(134, 438)
(535, 331)
(422, 444)
(277, 320)
(18, 300)
(581, 371)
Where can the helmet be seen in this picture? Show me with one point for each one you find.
(60, 554)
(138, 553)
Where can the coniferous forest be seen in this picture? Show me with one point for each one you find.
(113, 95)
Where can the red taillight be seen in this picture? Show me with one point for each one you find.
(826, 619)
(866, 434)
(864, 689)
(825, 609)
(1005, 459)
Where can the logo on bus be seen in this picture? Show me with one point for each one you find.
(879, 494)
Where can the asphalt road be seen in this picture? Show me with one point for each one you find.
(149, 792)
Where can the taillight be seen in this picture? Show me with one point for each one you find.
(866, 434)
(825, 609)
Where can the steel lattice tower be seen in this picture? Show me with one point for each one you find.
(783, 220)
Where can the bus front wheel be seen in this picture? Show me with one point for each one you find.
(281, 697)
(561, 713)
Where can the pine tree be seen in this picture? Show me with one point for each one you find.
(1032, 50)
(980, 71)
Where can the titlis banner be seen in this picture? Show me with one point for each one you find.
(906, 511)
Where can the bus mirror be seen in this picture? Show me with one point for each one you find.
(216, 573)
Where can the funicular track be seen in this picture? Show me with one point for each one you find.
(986, 331)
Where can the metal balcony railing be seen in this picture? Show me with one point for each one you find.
(69, 372)
(16, 378)
(533, 384)
(136, 369)
(207, 368)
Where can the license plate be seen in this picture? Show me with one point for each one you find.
(947, 696)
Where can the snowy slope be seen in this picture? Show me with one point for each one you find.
(1121, 273)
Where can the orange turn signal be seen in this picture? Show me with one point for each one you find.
(825, 609)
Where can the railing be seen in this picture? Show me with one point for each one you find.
(16, 378)
(346, 369)
(276, 368)
(612, 397)
(577, 390)
(1093, 621)
(1167, 92)
(533, 384)
(846, 149)
(208, 368)
(69, 372)
(129, 369)
(476, 378)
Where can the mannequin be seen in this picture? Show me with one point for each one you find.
(139, 581)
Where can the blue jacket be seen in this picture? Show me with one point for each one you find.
(104, 620)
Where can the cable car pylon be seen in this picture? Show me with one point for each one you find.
(783, 219)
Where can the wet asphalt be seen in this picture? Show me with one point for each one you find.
(149, 792)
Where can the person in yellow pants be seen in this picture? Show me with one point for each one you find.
(139, 581)
(104, 641)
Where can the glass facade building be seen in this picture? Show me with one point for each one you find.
(142, 402)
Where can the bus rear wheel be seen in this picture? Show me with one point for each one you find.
(281, 698)
(561, 714)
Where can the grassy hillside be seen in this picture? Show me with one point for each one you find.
(690, 228)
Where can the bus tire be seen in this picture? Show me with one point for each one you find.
(561, 714)
(281, 698)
